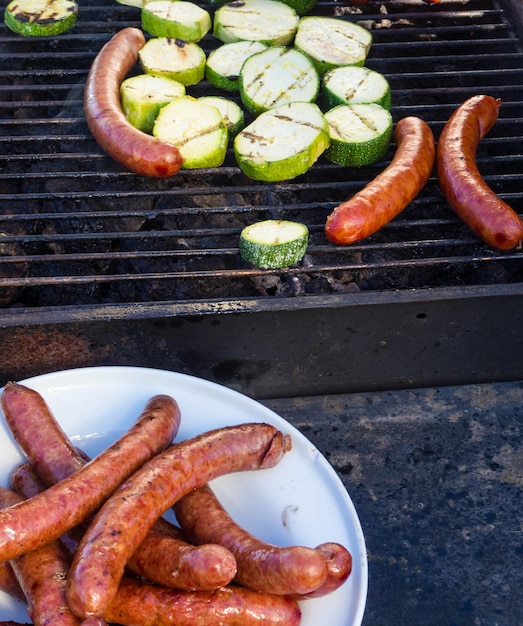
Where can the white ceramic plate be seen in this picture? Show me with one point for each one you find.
(300, 501)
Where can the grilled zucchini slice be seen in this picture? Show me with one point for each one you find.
(356, 85)
(142, 96)
(282, 143)
(273, 244)
(360, 134)
(180, 19)
(277, 76)
(225, 62)
(177, 59)
(269, 21)
(332, 42)
(232, 114)
(196, 129)
(40, 18)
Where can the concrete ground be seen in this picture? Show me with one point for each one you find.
(436, 476)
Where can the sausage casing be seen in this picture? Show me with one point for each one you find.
(126, 517)
(261, 566)
(391, 191)
(64, 505)
(461, 182)
(137, 151)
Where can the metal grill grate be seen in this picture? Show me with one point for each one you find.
(79, 231)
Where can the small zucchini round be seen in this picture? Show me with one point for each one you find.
(274, 244)
(40, 18)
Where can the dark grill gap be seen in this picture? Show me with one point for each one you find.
(81, 234)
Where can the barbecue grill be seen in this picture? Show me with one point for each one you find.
(100, 266)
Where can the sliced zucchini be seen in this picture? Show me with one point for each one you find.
(177, 59)
(282, 143)
(356, 85)
(196, 129)
(139, 4)
(143, 96)
(272, 244)
(277, 76)
(40, 18)
(232, 114)
(332, 42)
(269, 21)
(180, 19)
(360, 134)
(225, 62)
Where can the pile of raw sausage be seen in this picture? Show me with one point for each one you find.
(84, 541)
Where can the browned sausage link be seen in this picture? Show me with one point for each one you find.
(339, 568)
(47, 446)
(151, 605)
(165, 558)
(261, 566)
(463, 186)
(385, 197)
(41, 574)
(124, 520)
(175, 563)
(64, 505)
(137, 151)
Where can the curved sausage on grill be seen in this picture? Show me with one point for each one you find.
(385, 197)
(126, 517)
(463, 186)
(137, 151)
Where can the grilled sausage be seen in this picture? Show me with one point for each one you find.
(137, 151)
(64, 505)
(126, 517)
(339, 568)
(151, 605)
(41, 574)
(385, 197)
(261, 566)
(9, 582)
(164, 556)
(475, 203)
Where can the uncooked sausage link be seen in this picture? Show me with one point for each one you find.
(126, 517)
(64, 505)
(261, 566)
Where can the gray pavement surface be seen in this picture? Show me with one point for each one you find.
(436, 476)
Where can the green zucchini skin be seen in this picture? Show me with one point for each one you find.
(274, 244)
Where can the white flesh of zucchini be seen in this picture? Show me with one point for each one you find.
(277, 76)
(272, 244)
(196, 129)
(356, 85)
(225, 62)
(179, 60)
(282, 143)
(332, 42)
(269, 21)
(181, 19)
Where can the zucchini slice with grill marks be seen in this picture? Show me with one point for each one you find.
(40, 18)
(273, 244)
(142, 96)
(332, 42)
(173, 58)
(356, 85)
(269, 21)
(196, 129)
(360, 134)
(225, 62)
(282, 143)
(232, 114)
(277, 76)
(180, 19)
